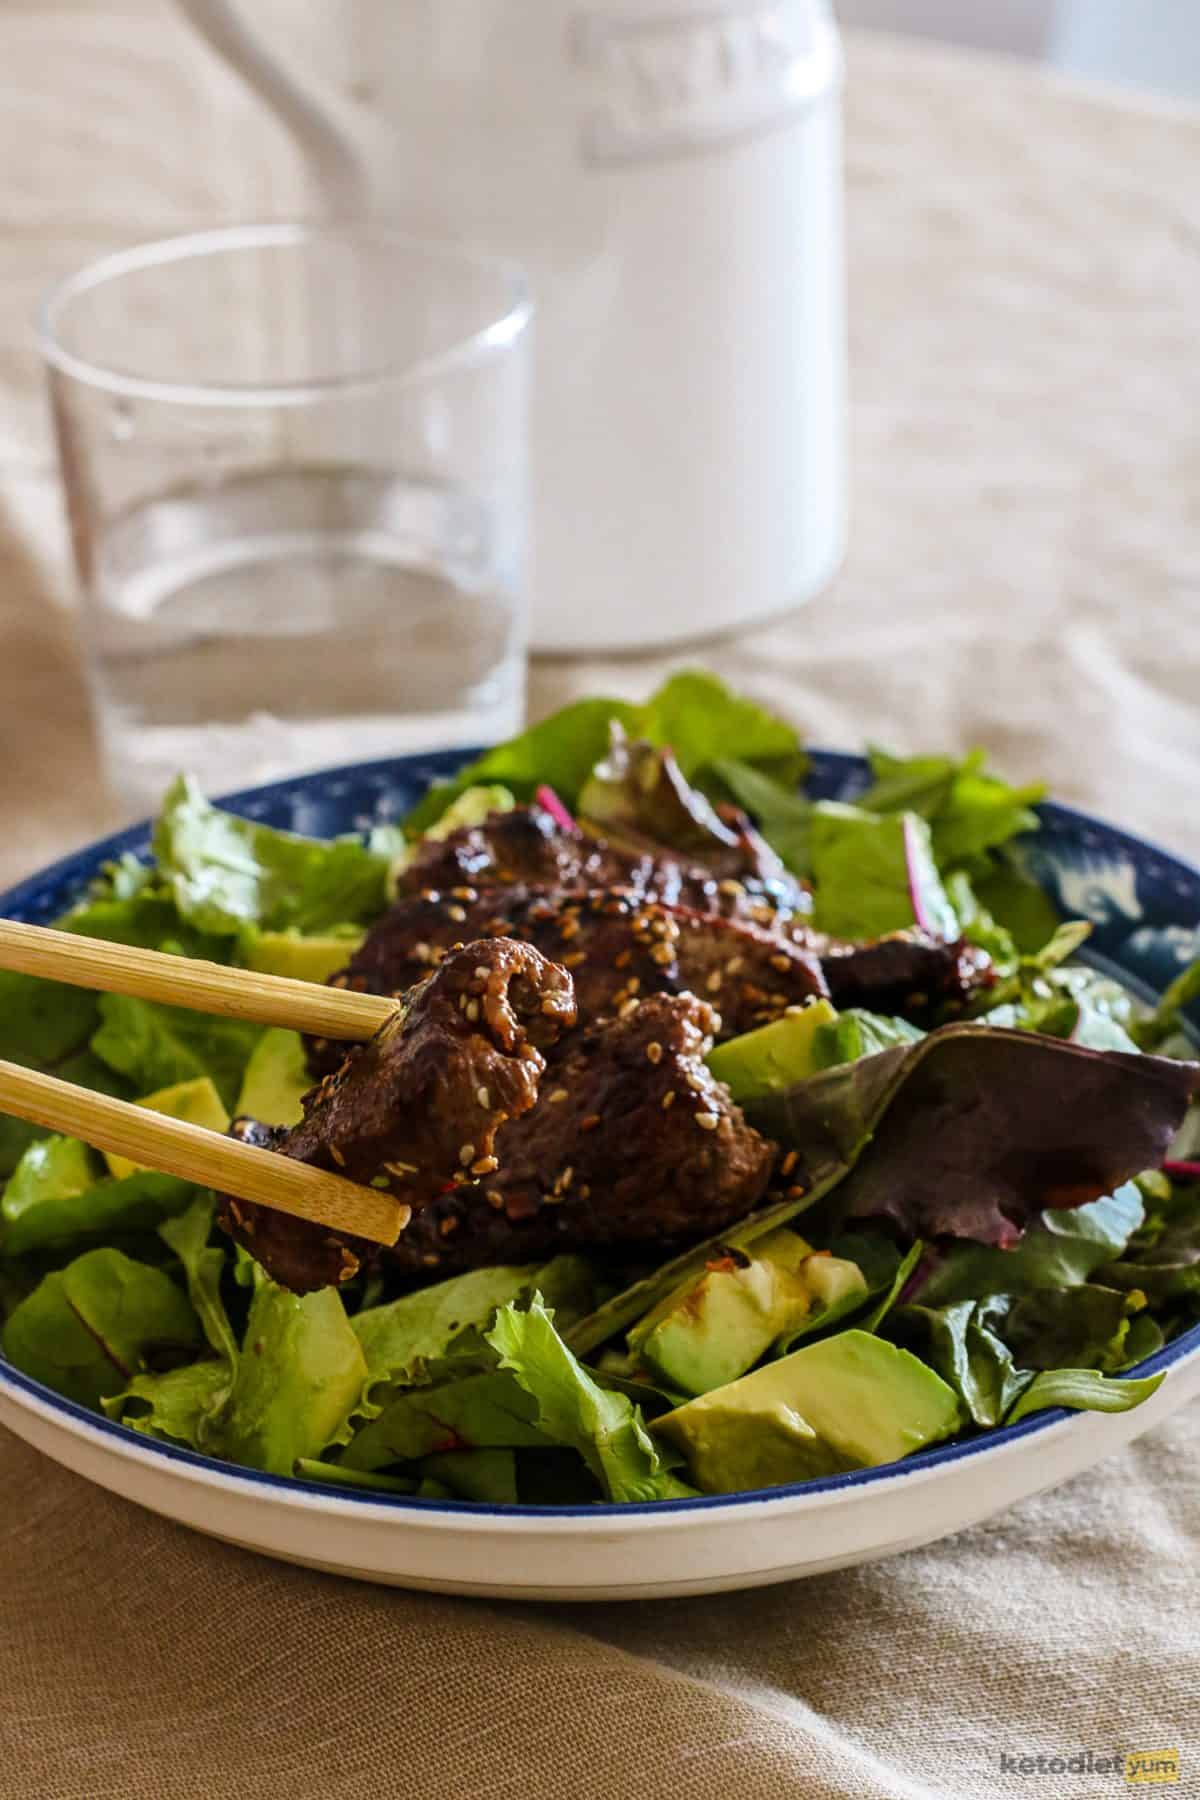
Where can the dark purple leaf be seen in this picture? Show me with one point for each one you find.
(973, 1132)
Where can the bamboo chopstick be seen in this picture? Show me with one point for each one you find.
(205, 1157)
(181, 981)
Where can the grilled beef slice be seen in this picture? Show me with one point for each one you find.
(616, 944)
(631, 1143)
(418, 1107)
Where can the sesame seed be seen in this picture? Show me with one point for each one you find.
(713, 984)
(564, 1181)
(448, 1225)
(590, 1123)
(553, 1199)
(735, 965)
(695, 1081)
(782, 963)
(421, 952)
(654, 1053)
(483, 1097)
(472, 1011)
(338, 981)
(431, 1259)
(482, 972)
(573, 961)
(627, 1009)
(457, 914)
(557, 1097)
(485, 1165)
(708, 1121)
(495, 1200)
(623, 960)
(715, 1023)
(668, 1099)
(789, 1162)
(464, 893)
(794, 1012)
(550, 1008)
(633, 985)
(730, 887)
(568, 929)
(337, 1156)
(762, 915)
(797, 1192)
(430, 894)
(466, 1154)
(585, 1192)
(400, 1169)
(662, 954)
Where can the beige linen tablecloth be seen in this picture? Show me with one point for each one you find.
(1026, 336)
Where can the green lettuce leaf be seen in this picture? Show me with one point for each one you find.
(963, 1344)
(874, 873)
(157, 1046)
(203, 1263)
(188, 1405)
(489, 1410)
(310, 1468)
(487, 1475)
(573, 1410)
(783, 815)
(694, 714)
(1060, 1250)
(88, 1329)
(1167, 1017)
(971, 811)
(400, 1338)
(57, 1198)
(1016, 903)
(226, 872)
(855, 1034)
(299, 1379)
(1077, 1328)
(1085, 1390)
(1162, 1260)
(180, 1405)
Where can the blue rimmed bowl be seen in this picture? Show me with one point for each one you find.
(1145, 907)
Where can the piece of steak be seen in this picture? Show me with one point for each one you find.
(631, 1144)
(911, 974)
(530, 847)
(417, 1109)
(617, 945)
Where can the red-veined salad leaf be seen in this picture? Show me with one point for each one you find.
(973, 1132)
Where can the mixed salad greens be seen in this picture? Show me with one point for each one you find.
(933, 1274)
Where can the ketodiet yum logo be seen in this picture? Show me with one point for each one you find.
(675, 82)
(1140, 1768)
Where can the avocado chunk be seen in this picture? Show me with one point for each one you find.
(303, 958)
(832, 1281)
(851, 1401)
(722, 1324)
(774, 1057)
(472, 807)
(276, 1079)
(709, 1332)
(197, 1102)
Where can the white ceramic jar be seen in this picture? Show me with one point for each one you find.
(670, 173)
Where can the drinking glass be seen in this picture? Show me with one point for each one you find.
(295, 470)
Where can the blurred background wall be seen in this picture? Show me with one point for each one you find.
(1141, 43)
